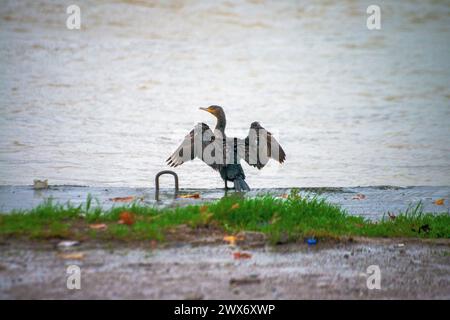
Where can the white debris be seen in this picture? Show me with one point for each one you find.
(67, 244)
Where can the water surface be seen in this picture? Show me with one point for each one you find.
(106, 105)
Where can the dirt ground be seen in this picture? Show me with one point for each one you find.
(409, 270)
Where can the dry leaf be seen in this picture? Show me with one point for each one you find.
(98, 226)
(235, 206)
(126, 218)
(192, 196)
(72, 256)
(242, 255)
(359, 196)
(122, 199)
(230, 239)
(439, 202)
(284, 196)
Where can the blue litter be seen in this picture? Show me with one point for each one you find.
(311, 241)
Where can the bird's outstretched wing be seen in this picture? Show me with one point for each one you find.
(260, 146)
(192, 146)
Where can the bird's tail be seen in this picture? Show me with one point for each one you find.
(241, 185)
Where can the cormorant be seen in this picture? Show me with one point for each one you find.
(224, 154)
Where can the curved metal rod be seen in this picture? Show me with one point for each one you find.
(157, 182)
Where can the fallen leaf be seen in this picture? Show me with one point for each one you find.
(235, 206)
(359, 196)
(126, 218)
(439, 202)
(192, 196)
(72, 256)
(98, 226)
(122, 199)
(230, 239)
(241, 255)
(233, 239)
(284, 196)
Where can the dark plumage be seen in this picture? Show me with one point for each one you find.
(256, 149)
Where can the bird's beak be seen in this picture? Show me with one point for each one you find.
(204, 109)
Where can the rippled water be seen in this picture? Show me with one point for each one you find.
(106, 105)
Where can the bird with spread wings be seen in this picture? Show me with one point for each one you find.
(223, 153)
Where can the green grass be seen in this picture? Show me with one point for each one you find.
(290, 219)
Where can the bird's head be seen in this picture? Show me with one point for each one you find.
(215, 111)
(255, 125)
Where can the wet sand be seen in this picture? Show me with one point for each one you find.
(409, 270)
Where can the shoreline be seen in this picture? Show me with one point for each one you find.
(378, 200)
(292, 217)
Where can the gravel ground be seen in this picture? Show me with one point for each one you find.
(409, 270)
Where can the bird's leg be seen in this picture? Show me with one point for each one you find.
(226, 185)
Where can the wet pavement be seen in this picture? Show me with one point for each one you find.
(408, 269)
(371, 202)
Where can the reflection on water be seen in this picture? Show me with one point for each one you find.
(106, 105)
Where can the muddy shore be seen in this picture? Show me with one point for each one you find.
(410, 269)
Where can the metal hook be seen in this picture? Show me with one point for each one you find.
(157, 182)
